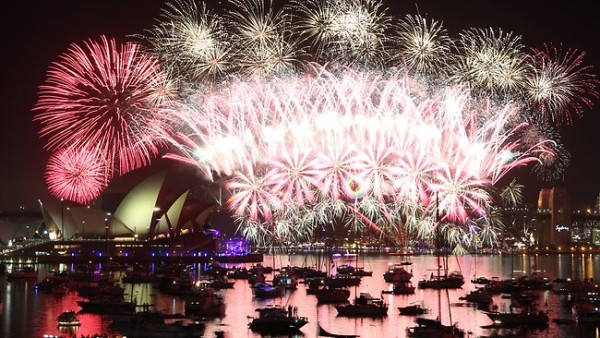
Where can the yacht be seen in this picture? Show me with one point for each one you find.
(277, 320)
(364, 305)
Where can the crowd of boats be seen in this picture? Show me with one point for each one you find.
(100, 293)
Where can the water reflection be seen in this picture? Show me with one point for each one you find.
(25, 312)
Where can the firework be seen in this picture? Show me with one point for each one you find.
(512, 194)
(350, 139)
(101, 95)
(78, 175)
(491, 60)
(562, 86)
(352, 31)
(423, 45)
(191, 41)
(333, 109)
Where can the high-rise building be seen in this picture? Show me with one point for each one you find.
(554, 230)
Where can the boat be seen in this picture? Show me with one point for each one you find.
(412, 310)
(221, 282)
(27, 272)
(481, 280)
(205, 302)
(341, 280)
(329, 294)
(239, 273)
(479, 296)
(276, 319)
(364, 305)
(396, 273)
(265, 290)
(321, 332)
(345, 269)
(525, 317)
(404, 288)
(586, 312)
(139, 274)
(68, 318)
(361, 272)
(454, 280)
(286, 279)
(146, 315)
(161, 329)
(427, 328)
(106, 305)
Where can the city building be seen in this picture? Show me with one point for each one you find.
(554, 231)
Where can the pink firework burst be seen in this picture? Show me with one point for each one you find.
(78, 175)
(101, 94)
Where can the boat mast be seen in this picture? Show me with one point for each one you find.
(437, 251)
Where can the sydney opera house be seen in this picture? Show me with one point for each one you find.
(151, 220)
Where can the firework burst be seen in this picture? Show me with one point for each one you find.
(424, 46)
(101, 95)
(561, 86)
(333, 109)
(77, 175)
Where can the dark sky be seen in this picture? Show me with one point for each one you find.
(36, 33)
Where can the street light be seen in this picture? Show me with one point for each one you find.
(106, 225)
(62, 218)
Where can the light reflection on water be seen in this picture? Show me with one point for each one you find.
(27, 313)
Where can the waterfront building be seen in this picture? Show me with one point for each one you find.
(151, 221)
(555, 230)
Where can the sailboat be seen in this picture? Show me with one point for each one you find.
(434, 327)
(360, 270)
(321, 332)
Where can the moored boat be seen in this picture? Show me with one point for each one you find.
(160, 329)
(106, 305)
(25, 272)
(454, 280)
(427, 328)
(265, 290)
(412, 310)
(277, 320)
(403, 288)
(205, 302)
(396, 273)
(526, 317)
(479, 296)
(364, 305)
(68, 318)
(332, 295)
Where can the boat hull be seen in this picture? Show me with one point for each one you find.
(506, 319)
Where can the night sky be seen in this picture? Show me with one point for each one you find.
(36, 33)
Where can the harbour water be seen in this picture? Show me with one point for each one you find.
(26, 312)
